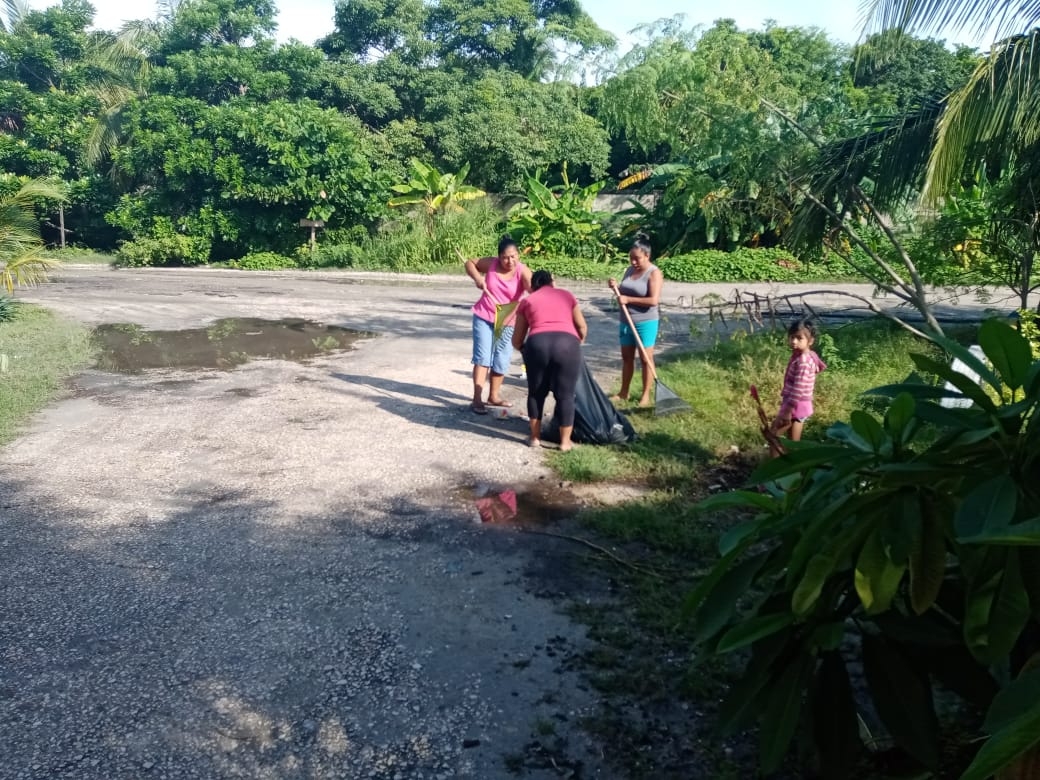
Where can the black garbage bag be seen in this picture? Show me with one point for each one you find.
(596, 421)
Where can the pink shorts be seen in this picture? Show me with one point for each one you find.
(800, 412)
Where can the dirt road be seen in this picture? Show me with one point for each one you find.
(277, 570)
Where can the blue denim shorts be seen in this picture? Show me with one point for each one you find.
(494, 355)
(647, 333)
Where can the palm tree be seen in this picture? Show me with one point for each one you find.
(21, 249)
(994, 118)
(121, 64)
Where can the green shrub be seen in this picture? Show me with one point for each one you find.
(263, 261)
(165, 250)
(569, 268)
(331, 256)
(560, 220)
(750, 265)
(164, 245)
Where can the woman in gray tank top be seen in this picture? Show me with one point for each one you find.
(640, 291)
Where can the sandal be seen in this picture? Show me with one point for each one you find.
(478, 408)
(503, 402)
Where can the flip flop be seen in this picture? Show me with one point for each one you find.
(503, 403)
(478, 409)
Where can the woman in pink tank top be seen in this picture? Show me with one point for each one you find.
(502, 280)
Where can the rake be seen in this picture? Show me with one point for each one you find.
(665, 399)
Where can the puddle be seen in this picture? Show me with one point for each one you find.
(526, 506)
(130, 349)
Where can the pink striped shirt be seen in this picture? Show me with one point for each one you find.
(799, 382)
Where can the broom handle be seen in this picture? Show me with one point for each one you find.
(635, 333)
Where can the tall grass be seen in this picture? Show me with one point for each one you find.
(80, 256)
(42, 350)
(419, 244)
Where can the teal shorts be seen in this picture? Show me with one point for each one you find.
(647, 331)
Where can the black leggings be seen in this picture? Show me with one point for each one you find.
(553, 362)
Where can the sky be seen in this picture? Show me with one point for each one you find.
(308, 20)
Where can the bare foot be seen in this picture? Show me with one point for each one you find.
(534, 443)
(617, 398)
(645, 402)
(566, 447)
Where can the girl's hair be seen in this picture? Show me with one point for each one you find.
(802, 324)
(540, 279)
(504, 243)
(642, 243)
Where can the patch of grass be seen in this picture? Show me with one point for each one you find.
(42, 350)
(673, 449)
(587, 464)
(80, 256)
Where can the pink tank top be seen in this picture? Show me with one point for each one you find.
(499, 290)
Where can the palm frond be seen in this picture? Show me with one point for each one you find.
(14, 11)
(27, 270)
(636, 178)
(993, 118)
(21, 261)
(655, 177)
(892, 155)
(998, 18)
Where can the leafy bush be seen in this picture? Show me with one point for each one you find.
(332, 256)
(263, 261)
(163, 250)
(750, 265)
(162, 244)
(907, 545)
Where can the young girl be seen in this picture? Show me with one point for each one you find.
(799, 382)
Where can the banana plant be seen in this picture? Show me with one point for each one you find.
(560, 221)
(908, 546)
(436, 192)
